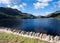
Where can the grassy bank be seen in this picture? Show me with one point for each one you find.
(9, 38)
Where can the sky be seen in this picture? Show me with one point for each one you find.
(35, 7)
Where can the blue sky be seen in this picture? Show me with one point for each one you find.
(35, 7)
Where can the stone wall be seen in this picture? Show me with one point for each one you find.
(34, 35)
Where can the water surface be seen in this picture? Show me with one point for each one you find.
(49, 26)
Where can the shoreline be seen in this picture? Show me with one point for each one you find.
(33, 35)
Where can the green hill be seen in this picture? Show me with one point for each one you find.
(54, 15)
(13, 13)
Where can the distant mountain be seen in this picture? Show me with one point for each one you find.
(54, 15)
(13, 13)
(6, 12)
(40, 16)
(26, 15)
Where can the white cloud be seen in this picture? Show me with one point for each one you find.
(5, 2)
(13, 4)
(24, 4)
(21, 6)
(44, 1)
(8, 6)
(8, 1)
(41, 3)
(47, 13)
(56, 4)
(15, 1)
(15, 7)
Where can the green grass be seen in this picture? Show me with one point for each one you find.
(9, 38)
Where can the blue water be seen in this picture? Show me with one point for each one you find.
(49, 26)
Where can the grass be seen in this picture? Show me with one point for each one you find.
(10, 38)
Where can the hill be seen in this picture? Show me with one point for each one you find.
(54, 15)
(13, 13)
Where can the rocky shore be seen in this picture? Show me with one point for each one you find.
(33, 35)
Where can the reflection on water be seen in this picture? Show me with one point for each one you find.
(8, 22)
(49, 26)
